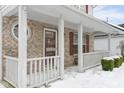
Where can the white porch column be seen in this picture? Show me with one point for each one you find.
(61, 45)
(0, 46)
(80, 47)
(109, 42)
(22, 47)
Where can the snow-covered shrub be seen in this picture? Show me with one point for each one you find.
(117, 62)
(121, 59)
(107, 64)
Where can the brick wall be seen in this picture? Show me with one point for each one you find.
(69, 59)
(35, 43)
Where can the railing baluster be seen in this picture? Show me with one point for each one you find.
(51, 67)
(44, 77)
(43, 70)
(35, 71)
(48, 69)
(40, 70)
(58, 67)
(55, 67)
(30, 73)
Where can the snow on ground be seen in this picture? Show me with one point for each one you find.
(92, 78)
(1, 86)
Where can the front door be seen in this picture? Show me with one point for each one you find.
(50, 42)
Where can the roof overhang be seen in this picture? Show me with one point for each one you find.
(72, 17)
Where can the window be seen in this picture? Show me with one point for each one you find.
(75, 43)
(15, 31)
(75, 39)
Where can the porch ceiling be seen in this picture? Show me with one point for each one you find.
(52, 20)
(51, 13)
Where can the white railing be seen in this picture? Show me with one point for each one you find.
(43, 70)
(11, 70)
(39, 70)
(93, 58)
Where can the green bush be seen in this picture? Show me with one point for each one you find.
(117, 62)
(107, 65)
(121, 60)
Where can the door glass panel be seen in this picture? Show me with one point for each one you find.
(50, 43)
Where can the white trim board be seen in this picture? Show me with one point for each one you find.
(53, 30)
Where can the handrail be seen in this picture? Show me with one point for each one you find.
(40, 58)
(96, 52)
(29, 59)
(12, 58)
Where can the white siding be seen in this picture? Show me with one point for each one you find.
(102, 44)
(90, 10)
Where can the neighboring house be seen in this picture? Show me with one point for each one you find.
(102, 39)
(38, 42)
(121, 25)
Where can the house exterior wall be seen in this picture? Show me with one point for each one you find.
(35, 43)
(90, 9)
(85, 8)
(91, 42)
(69, 59)
(114, 48)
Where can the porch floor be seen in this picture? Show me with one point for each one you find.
(92, 78)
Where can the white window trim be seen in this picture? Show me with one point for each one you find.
(74, 43)
(12, 31)
(53, 30)
(84, 43)
(75, 33)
